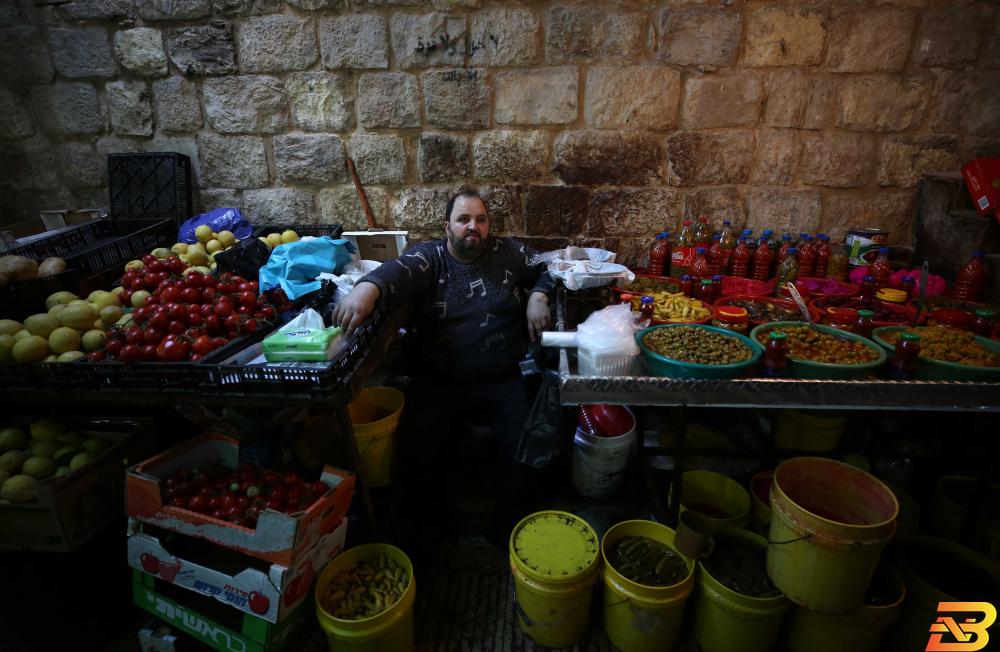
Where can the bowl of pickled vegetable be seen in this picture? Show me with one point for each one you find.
(824, 352)
(761, 310)
(696, 351)
(947, 353)
(886, 312)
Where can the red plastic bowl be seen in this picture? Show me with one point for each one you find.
(737, 286)
(787, 304)
(814, 287)
(908, 313)
(954, 317)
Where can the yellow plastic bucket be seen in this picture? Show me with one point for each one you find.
(375, 415)
(808, 430)
(641, 618)
(716, 501)
(861, 630)
(760, 499)
(390, 630)
(829, 524)
(726, 620)
(554, 561)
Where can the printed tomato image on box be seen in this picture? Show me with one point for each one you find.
(199, 489)
(268, 591)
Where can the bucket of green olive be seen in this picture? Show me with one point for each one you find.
(697, 351)
(947, 353)
(824, 352)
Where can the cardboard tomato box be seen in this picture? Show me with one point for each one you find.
(261, 589)
(278, 537)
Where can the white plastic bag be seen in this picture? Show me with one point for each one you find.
(583, 274)
(610, 331)
(352, 273)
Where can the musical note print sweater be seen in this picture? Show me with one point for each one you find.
(470, 317)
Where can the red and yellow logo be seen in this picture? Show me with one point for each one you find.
(969, 635)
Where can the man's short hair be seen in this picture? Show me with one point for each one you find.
(462, 192)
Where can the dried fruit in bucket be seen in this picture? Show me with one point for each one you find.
(697, 345)
(365, 589)
(648, 562)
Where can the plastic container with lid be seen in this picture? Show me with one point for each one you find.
(647, 308)
(983, 325)
(763, 256)
(716, 255)
(774, 363)
(865, 324)
(892, 295)
(908, 285)
(904, 363)
(881, 269)
(682, 253)
(687, 284)
(703, 291)
(732, 318)
(806, 255)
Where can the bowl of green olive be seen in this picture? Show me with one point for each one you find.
(697, 351)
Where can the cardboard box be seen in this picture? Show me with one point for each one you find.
(268, 591)
(279, 538)
(378, 245)
(69, 509)
(979, 176)
(217, 625)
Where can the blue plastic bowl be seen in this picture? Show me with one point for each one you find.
(661, 365)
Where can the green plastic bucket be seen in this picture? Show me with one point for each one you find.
(830, 522)
(936, 571)
(725, 619)
(861, 630)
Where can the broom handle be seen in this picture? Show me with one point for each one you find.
(361, 194)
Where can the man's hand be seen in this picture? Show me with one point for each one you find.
(538, 314)
(351, 311)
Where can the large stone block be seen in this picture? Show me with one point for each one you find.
(776, 154)
(542, 96)
(309, 160)
(67, 108)
(173, 9)
(503, 204)
(436, 39)
(421, 209)
(277, 44)
(212, 198)
(555, 210)
(31, 164)
(442, 157)
(388, 100)
(354, 41)
(633, 211)
(457, 99)
(608, 157)
(699, 158)
(837, 160)
(140, 51)
(313, 5)
(957, 93)
(117, 145)
(81, 167)
(636, 97)
(203, 50)
(24, 59)
(131, 107)
(233, 161)
(788, 94)
(949, 36)
(717, 204)
(888, 209)
(504, 155)
(15, 120)
(243, 8)
(505, 37)
(342, 206)
(321, 101)
(246, 104)
(186, 146)
(698, 36)
(721, 101)
(82, 52)
(991, 51)
(869, 41)
(379, 159)
(280, 206)
(824, 102)
(779, 36)
(904, 159)
(98, 9)
(883, 103)
(177, 105)
(574, 34)
(794, 211)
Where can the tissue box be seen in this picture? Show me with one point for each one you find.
(301, 345)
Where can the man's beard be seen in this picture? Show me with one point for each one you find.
(463, 247)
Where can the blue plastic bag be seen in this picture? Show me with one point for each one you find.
(295, 266)
(220, 219)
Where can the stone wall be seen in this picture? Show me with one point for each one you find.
(585, 122)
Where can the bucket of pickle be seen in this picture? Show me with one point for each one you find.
(824, 352)
(761, 310)
(947, 353)
(697, 351)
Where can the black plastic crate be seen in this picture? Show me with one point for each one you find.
(315, 230)
(150, 185)
(18, 300)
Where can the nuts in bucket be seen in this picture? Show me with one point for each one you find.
(365, 589)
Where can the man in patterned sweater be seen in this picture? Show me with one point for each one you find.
(477, 298)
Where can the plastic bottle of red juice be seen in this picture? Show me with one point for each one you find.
(659, 254)
(716, 255)
(741, 258)
(762, 258)
(823, 250)
(699, 267)
(971, 278)
(806, 257)
(881, 269)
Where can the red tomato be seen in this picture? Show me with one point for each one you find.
(129, 354)
(243, 501)
(275, 504)
(208, 295)
(219, 514)
(202, 345)
(250, 325)
(193, 280)
(319, 487)
(234, 322)
(195, 319)
(248, 298)
(160, 321)
(223, 308)
(219, 341)
(125, 296)
(176, 327)
(114, 347)
(271, 478)
(206, 310)
(178, 311)
(292, 478)
(195, 357)
(179, 501)
(149, 353)
(191, 295)
(215, 502)
(228, 500)
(294, 496)
(97, 356)
(213, 324)
(279, 492)
(172, 351)
(198, 503)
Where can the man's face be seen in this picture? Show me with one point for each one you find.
(468, 227)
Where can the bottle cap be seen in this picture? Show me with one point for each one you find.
(717, 277)
(659, 236)
(869, 278)
(866, 313)
(892, 295)
(786, 236)
(625, 296)
(806, 237)
(706, 281)
(687, 277)
(822, 236)
(747, 231)
(883, 250)
(977, 254)
(742, 238)
(647, 300)
(911, 337)
(792, 251)
(983, 312)
(726, 223)
(768, 232)
(907, 279)
(778, 335)
(716, 236)
(699, 250)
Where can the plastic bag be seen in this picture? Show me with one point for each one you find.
(584, 274)
(295, 266)
(220, 219)
(543, 440)
(610, 331)
(575, 253)
(245, 258)
(353, 272)
(303, 339)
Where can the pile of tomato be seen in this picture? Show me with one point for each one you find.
(816, 346)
